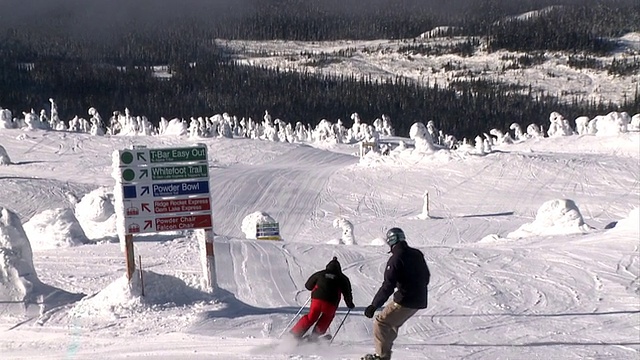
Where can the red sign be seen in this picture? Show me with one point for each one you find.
(181, 205)
(183, 222)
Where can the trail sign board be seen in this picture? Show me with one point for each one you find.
(165, 189)
(268, 231)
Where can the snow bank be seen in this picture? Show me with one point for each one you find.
(630, 223)
(554, 217)
(55, 228)
(17, 274)
(119, 299)
(250, 222)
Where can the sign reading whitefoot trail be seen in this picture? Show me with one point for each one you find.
(165, 189)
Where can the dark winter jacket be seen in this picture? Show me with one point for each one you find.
(329, 284)
(408, 272)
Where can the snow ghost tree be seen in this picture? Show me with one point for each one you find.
(420, 135)
(535, 131)
(479, 144)
(97, 125)
(6, 119)
(433, 131)
(581, 125)
(559, 126)
(612, 124)
(4, 157)
(55, 123)
(517, 132)
(32, 120)
(347, 230)
(387, 127)
(634, 124)
(501, 138)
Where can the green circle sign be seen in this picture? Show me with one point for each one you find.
(126, 157)
(128, 175)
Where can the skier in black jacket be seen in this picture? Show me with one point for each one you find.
(408, 272)
(326, 288)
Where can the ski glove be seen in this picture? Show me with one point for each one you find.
(350, 305)
(369, 311)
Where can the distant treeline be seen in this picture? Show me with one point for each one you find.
(113, 71)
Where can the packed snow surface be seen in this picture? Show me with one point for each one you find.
(533, 247)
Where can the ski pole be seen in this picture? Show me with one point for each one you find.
(298, 313)
(340, 326)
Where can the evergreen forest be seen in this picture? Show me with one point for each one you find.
(102, 54)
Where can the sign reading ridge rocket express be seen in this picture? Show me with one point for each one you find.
(156, 156)
(135, 208)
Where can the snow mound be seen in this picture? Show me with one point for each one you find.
(378, 242)
(4, 157)
(250, 222)
(554, 217)
(97, 215)
(630, 223)
(96, 206)
(55, 228)
(17, 273)
(120, 298)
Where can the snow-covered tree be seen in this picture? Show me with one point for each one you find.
(55, 123)
(420, 135)
(6, 119)
(535, 131)
(518, 135)
(32, 121)
(347, 237)
(387, 127)
(634, 125)
(581, 125)
(559, 126)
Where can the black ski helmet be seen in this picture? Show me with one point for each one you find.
(394, 236)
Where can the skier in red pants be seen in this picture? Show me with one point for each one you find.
(326, 288)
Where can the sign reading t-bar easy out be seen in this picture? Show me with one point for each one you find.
(165, 189)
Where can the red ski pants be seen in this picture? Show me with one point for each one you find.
(321, 311)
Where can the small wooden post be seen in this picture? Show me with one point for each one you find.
(141, 277)
(209, 263)
(131, 260)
